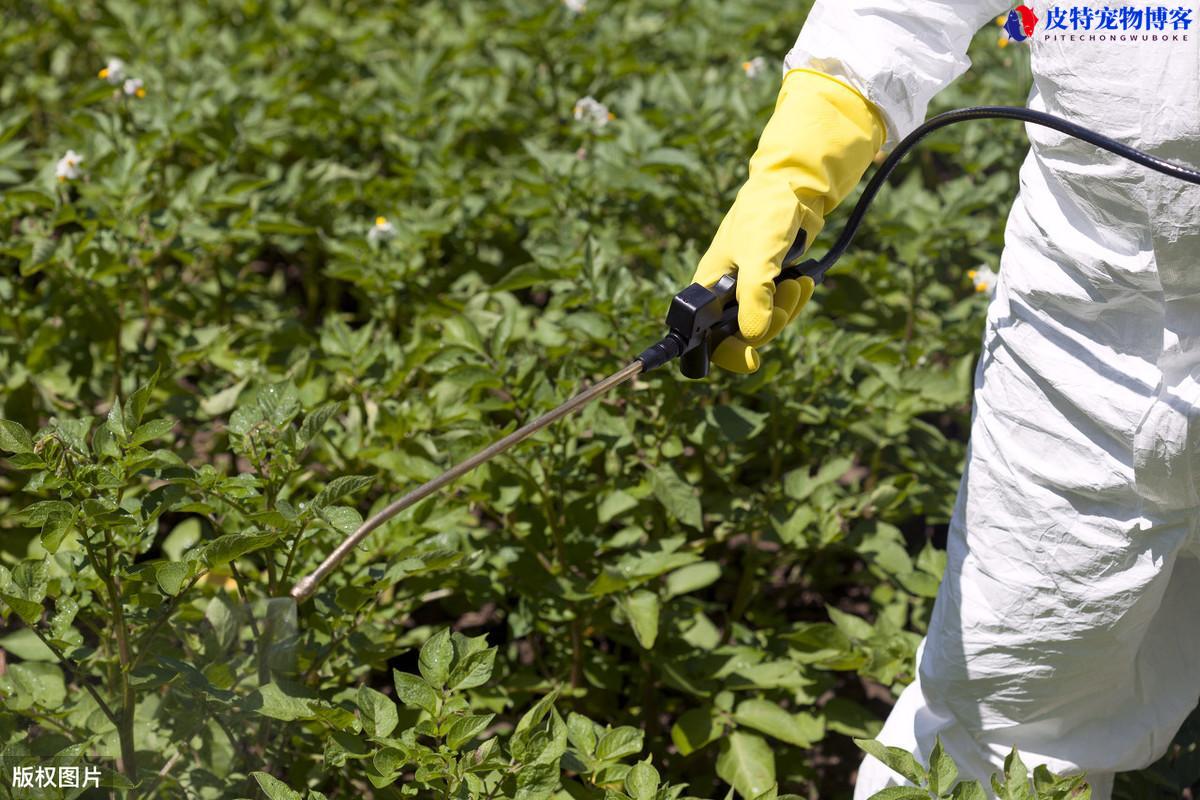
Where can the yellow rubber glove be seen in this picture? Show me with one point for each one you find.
(816, 147)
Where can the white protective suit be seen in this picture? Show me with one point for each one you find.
(1068, 621)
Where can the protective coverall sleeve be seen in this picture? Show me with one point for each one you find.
(898, 53)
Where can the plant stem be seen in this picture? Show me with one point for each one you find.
(104, 707)
(287, 567)
(576, 652)
(162, 773)
(128, 695)
(241, 588)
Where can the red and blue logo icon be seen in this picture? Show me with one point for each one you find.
(1021, 23)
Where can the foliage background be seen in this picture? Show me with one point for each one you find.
(738, 570)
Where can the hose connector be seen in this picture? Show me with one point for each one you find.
(667, 349)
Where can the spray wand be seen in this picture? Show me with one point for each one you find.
(700, 317)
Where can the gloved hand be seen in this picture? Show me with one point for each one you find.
(815, 148)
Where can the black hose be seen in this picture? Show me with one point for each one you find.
(990, 112)
(689, 331)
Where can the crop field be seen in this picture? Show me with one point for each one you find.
(266, 265)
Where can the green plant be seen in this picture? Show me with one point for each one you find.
(214, 362)
(939, 779)
(451, 752)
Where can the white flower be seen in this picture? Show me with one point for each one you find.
(381, 231)
(754, 67)
(590, 110)
(575, 6)
(114, 71)
(67, 168)
(984, 279)
(133, 87)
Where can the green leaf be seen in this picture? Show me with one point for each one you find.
(473, 670)
(970, 790)
(898, 760)
(342, 518)
(277, 703)
(279, 402)
(614, 505)
(14, 438)
(223, 401)
(55, 517)
(854, 627)
(850, 719)
(802, 730)
(37, 683)
(464, 729)
(677, 497)
(536, 782)
(155, 429)
(459, 330)
(28, 610)
(942, 769)
(171, 576)
(135, 406)
(737, 424)
(901, 793)
(582, 733)
(692, 578)
(116, 421)
(642, 781)
(181, 537)
(746, 763)
(534, 716)
(73, 432)
(315, 421)
(25, 645)
(274, 788)
(224, 618)
(643, 609)
(436, 656)
(619, 742)
(340, 487)
(377, 711)
(1016, 778)
(232, 546)
(696, 728)
(414, 692)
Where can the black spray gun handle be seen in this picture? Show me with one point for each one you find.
(700, 317)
